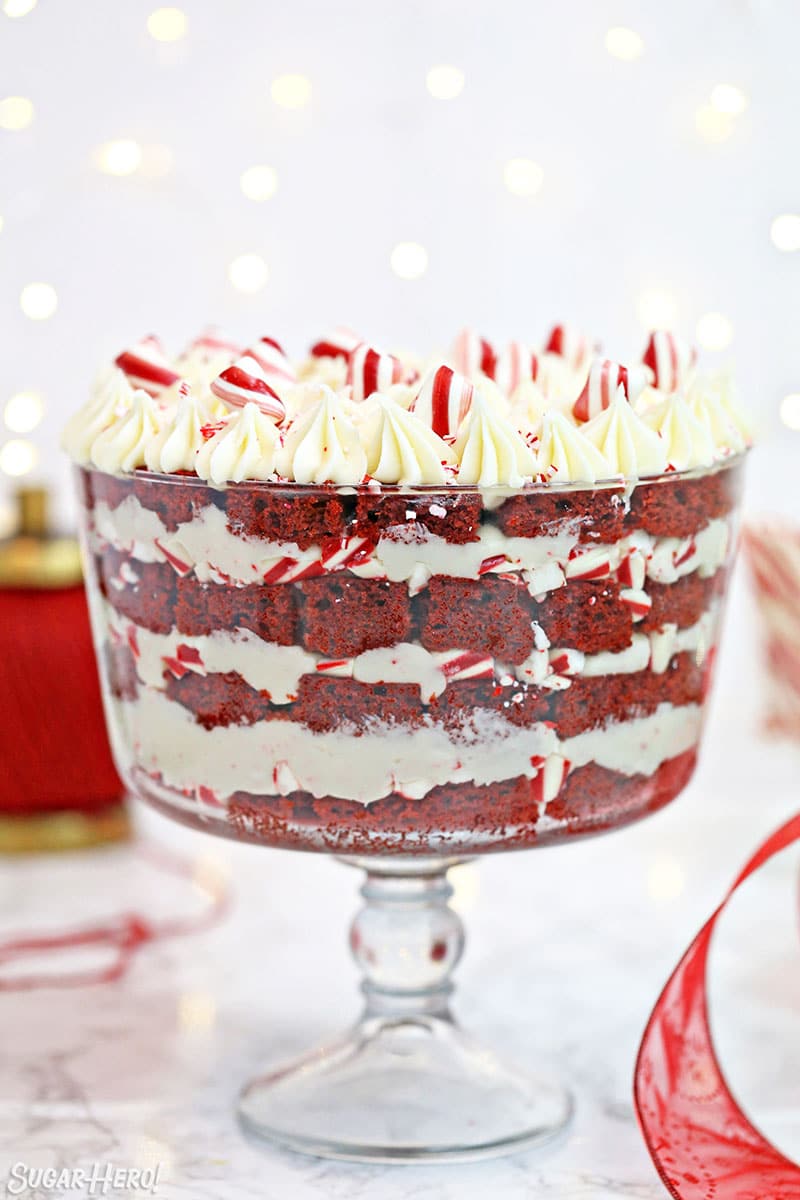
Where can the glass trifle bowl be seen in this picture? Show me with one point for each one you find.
(405, 677)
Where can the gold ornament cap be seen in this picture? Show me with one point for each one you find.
(32, 557)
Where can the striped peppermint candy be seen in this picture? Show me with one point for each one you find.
(339, 343)
(370, 370)
(270, 356)
(604, 378)
(147, 366)
(464, 664)
(209, 343)
(669, 358)
(443, 401)
(243, 383)
(517, 364)
(473, 355)
(567, 344)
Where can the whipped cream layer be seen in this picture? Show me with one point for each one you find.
(279, 757)
(352, 414)
(277, 670)
(208, 548)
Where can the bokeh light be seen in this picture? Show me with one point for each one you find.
(16, 112)
(259, 182)
(167, 24)
(790, 410)
(727, 98)
(625, 44)
(120, 157)
(18, 457)
(38, 301)
(23, 411)
(656, 308)
(523, 176)
(291, 91)
(445, 82)
(785, 232)
(409, 260)
(714, 331)
(713, 125)
(18, 8)
(248, 273)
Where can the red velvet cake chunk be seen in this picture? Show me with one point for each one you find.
(591, 702)
(587, 616)
(219, 699)
(120, 664)
(173, 503)
(680, 506)
(681, 603)
(286, 514)
(454, 516)
(269, 611)
(492, 616)
(324, 704)
(143, 592)
(596, 516)
(343, 616)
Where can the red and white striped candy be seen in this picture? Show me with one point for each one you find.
(669, 358)
(339, 343)
(370, 370)
(209, 344)
(465, 664)
(443, 401)
(567, 344)
(147, 366)
(517, 364)
(546, 785)
(473, 355)
(243, 383)
(604, 378)
(637, 601)
(271, 358)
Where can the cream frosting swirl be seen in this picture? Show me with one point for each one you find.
(687, 440)
(710, 399)
(113, 400)
(322, 445)
(630, 447)
(328, 436)
(565, 455)
(245, 448)
(402, 449)
(175, 447)
(123, 445)
(490, 451)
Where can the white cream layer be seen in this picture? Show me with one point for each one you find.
(278, 757)
(278, 670)
(206, 546)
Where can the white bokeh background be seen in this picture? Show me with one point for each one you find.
(652, 204)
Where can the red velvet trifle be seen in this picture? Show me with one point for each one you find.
(406, 612)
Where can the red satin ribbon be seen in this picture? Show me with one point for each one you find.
(702, 1144)
(121, 935)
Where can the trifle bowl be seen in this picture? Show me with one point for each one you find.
(406, 616)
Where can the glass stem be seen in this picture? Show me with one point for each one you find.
(407, 939)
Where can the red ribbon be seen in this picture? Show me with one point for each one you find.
(122, 935)
(702, 1144)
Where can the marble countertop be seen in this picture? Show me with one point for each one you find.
(566, 953)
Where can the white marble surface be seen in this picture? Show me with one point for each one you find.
(566, 953)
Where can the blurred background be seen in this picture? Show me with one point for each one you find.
(406, 168)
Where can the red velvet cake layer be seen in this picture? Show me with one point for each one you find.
(501, 816)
